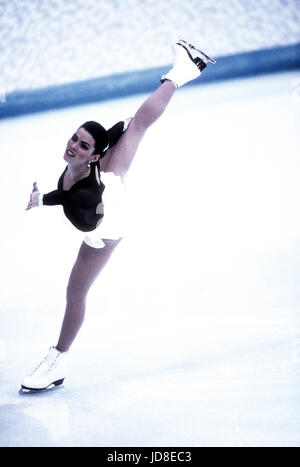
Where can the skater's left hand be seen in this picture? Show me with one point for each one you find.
(34, 197)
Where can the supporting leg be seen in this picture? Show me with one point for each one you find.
(89, 264)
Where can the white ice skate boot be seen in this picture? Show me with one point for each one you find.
(188, 64)
(50, 370)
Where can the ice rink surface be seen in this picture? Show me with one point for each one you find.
(192, 330)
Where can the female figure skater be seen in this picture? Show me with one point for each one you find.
(81, 192)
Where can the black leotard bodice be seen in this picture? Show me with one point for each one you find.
(82, 204)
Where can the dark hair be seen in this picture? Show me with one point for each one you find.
(104, 139)
(100, 136)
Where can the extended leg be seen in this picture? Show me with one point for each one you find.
(89, 263)
(188, 64)
(122, 154)
(154, 106)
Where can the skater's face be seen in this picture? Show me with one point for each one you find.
(80, 148)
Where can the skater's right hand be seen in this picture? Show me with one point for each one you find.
(127, 122)
(34, 197)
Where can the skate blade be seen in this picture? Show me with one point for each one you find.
(55, 383)
(191, 46)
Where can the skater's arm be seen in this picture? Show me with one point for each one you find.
(55, 197)
(118, 158)
(114, 134)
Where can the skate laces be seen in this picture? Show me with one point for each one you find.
(44, 366)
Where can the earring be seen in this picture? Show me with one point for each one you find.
(89, 164)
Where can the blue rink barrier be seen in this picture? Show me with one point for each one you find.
(234, 66)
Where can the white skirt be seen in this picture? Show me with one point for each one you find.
(115, 203)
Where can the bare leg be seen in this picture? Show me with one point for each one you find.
(120, 157)
(89, 263)
(155, 105)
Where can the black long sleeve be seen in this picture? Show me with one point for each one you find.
(59, 197)
(82, 204)
(115, 133)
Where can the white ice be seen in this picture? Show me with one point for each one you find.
(192, 330)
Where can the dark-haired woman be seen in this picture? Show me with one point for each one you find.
(91, 190)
